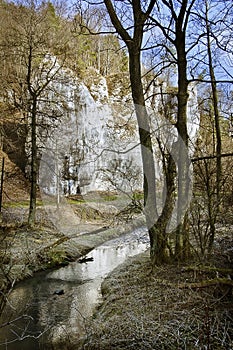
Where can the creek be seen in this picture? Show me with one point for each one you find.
(49, 311)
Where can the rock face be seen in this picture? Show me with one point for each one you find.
(95, 146)
(91, 149)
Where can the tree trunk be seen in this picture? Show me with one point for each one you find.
(157, 244)
(216, 111)
(159, 248)
(216, 206)
(32, 207)
(183, 161)
(157, 226)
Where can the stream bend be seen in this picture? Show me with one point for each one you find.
(52, 307)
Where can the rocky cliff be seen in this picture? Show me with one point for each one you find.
(95, 146)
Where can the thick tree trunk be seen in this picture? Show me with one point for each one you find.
(159, 248)
(150, 209)
(145, 137)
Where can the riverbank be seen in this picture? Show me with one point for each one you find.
(52, 308)
(25, 251)
(170, 307)
(176, 306)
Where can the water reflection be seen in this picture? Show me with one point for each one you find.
(61, 317)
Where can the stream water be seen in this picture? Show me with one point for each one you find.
(50, 309)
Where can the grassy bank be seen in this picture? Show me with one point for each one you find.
(171, 307)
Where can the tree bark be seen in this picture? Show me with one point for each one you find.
(32, 207)
(216, 111)
(156, 228)
(182, 147)
(214, 206)
(144, 135)
(159, 248)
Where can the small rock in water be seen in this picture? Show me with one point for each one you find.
(58, 292)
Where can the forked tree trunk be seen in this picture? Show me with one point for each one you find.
(156, 225)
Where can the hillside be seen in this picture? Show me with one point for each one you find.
(15, 187)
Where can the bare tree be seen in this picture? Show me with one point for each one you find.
(133, 38)
(29, 47)
(213, 63)
(174, 31)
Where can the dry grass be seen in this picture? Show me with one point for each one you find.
(160, 309)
